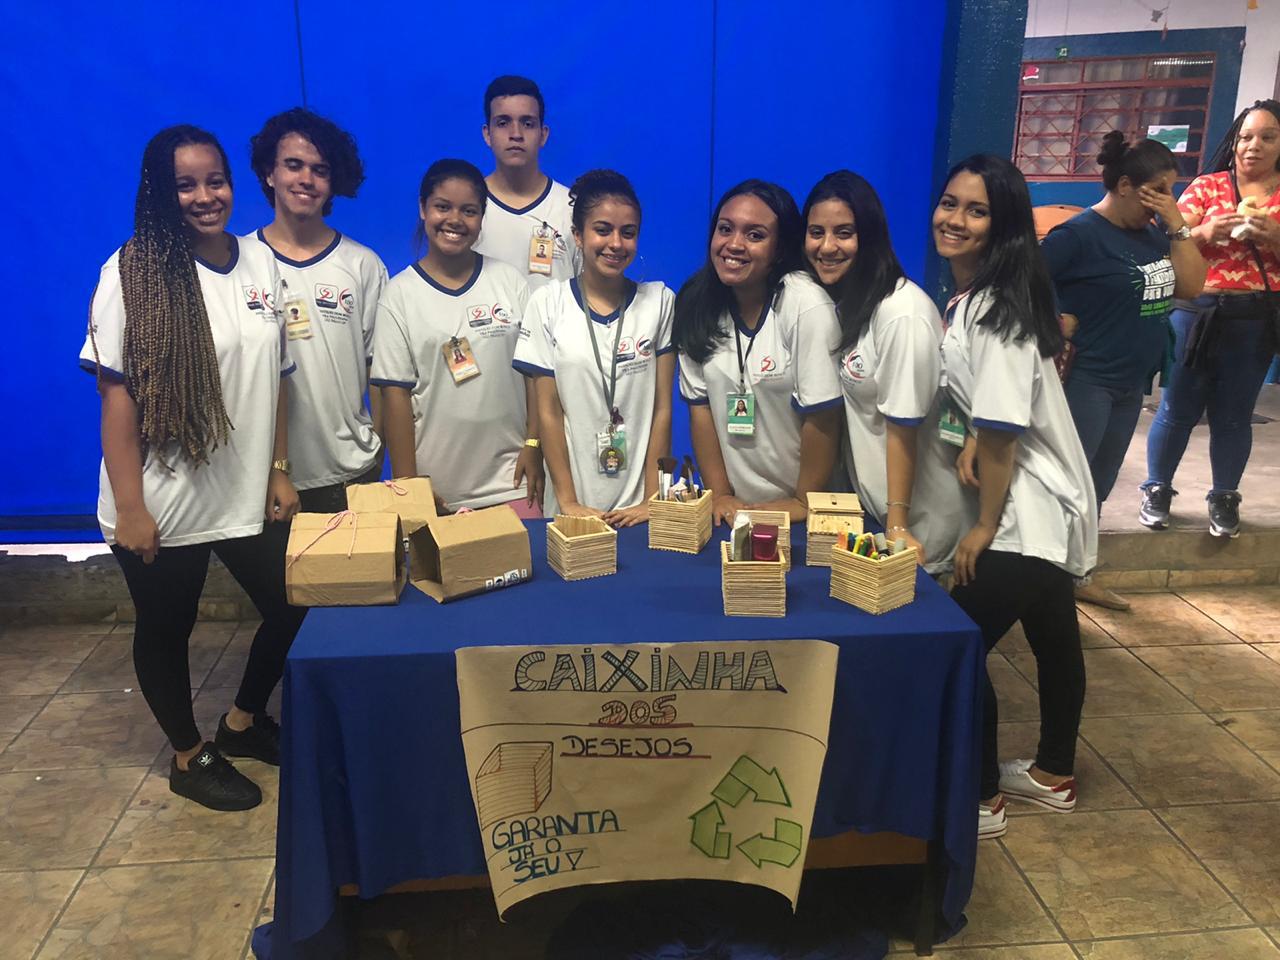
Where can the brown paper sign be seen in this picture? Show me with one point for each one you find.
(599, 763)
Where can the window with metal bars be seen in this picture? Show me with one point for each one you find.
(1066, 107)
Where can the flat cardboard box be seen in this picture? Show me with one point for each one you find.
(470, 553)
(412, 499)
(344, 559)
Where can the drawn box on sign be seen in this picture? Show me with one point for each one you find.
(513, 780)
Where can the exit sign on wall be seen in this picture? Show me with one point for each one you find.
(1062, 53)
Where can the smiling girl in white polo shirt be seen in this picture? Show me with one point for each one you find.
(189, 353)
(1037, 526)
(453, 409)
(757, 336)
(599, 349)
(889, 367)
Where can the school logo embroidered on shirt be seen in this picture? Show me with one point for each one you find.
(501, 313)
(854, 367)
(644, 347)
(326, 296)
(252, 297)
(626, 349)
(347, 300)
(479, 315)
(768, 364)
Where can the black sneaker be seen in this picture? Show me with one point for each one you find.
(1224, 514)
(211, 781)
(259, 742)
(1156, 500)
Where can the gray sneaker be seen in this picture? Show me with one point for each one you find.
(1224, 514)
(1156, 500)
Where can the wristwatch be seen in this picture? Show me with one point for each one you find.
(533, 442)
(1182, 233)
(281, 465)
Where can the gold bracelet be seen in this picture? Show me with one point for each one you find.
(533, 442)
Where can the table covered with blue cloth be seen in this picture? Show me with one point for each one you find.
(373, 781)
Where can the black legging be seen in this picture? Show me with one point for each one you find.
(1011, 588)
(166, 595)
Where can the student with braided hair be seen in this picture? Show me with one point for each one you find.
(189, 352)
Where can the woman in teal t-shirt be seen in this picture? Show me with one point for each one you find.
(1117, 267)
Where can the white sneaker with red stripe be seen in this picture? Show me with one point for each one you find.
(992, 821)
(1017, 783)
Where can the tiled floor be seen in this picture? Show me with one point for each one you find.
(1173, 853)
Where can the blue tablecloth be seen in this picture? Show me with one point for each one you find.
(373, 784)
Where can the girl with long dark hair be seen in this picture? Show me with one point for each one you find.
(598, 347)
(189, 354)
(1037, 525)
(447, 329)
(754, 329)
(1117, 271)
(889, 366)
(1226, 337)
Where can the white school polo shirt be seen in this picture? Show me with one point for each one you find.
(467, 435)
(225, 497)
(556, 342)
(790, 368)
(506, 231)
(331, 437)
(891, 375)
(1051, 511)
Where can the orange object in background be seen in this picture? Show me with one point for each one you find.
(1052, 214)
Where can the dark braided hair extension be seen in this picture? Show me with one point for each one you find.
(170, 364)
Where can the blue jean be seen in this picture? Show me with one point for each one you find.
(1105, 418)
(1227, 388)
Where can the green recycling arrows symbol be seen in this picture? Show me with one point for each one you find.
(766, 786)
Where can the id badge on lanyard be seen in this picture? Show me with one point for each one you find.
(297, 315)
(951, 423)
(740, 407)
(741, 419)
(611, 450)
(542, 246)
(460, 360)
(611, 442)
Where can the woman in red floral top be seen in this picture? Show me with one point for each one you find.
(1227, 336)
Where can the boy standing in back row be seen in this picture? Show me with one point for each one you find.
(527, 222)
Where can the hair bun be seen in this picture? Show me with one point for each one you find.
(1114, 147)
(600, 180)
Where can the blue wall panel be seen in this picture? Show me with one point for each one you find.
(664, 95)
(624, 89)
(88, 87)
(807, 89)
